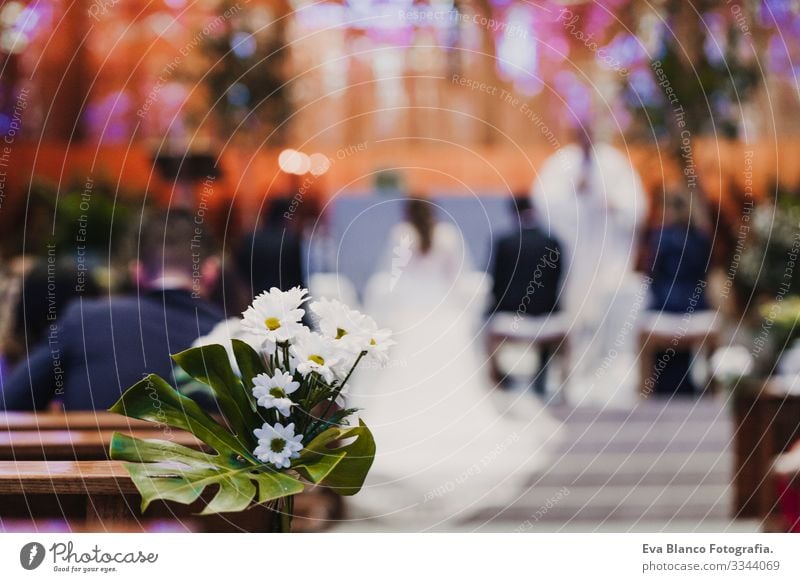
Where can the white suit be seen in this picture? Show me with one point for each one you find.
(594, 207)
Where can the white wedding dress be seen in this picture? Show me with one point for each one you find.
(448, 444)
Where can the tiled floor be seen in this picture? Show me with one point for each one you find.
(663, 466)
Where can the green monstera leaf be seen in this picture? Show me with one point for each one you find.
(210, 365)
(342, 468)
(169, 471)
(339, 457)
(154, 400)
(249, 362)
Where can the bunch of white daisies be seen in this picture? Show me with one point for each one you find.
(306, 370)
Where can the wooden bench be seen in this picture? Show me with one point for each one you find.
(766, 424)
(76, 445)
(545, 332)
(78, 486)
(661, 332)
(99, 496)
(99, 488)
(68, 420)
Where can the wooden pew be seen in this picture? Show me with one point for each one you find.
(98, 496)
(76, 445)
(72, 442)
(98, 489)
(543, 332)
(661, 332)
(68, 420)
(766, 424)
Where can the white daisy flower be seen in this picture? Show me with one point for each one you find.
(278, 444)
(275, 315)
(378, 342)
(353, 331)
(273, 391)
(340, 323)
(314, 352)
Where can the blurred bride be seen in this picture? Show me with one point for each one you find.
(449, 445)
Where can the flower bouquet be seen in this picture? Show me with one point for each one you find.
(278, 392)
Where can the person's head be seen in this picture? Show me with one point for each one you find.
(275, 212)
(47, 288)
(173, 249)
(419, 213)
(522, 208)
(583, 136)
(677, 209)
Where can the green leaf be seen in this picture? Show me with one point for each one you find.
(168, 471)
(276, 485)
(165, 470)
(338, 418)
(210, 365)
(154, 400)
(343, 468)
(250, 363)
(317, 467)
(236, 491)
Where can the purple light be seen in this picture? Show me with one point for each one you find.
(644, 90)
(577, 96)
(777, 12)
(627, 50)
(716, 42)
(243, 45)
(778, 56)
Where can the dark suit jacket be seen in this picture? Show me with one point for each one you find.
(527, 272)
(271, 257)
(679, 264)
(100, 347)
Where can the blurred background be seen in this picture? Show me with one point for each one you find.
(320, 118)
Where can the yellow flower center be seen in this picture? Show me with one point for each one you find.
(317, 359)
(372, 342)
(272, 323)
(340, 333)
(277, 393)
(277, 445)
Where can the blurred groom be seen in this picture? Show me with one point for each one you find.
(526, 271)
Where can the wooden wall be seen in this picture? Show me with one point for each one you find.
(434, 169)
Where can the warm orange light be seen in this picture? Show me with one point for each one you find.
(319, 164)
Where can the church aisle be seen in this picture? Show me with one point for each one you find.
(663, 466)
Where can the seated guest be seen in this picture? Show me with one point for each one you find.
(679, 258)
(272, 255)
(101, 347)
(526, 268)
(44, 293)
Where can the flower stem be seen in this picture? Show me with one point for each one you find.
(285, 348)
(336, 392)
(286, 514)
(270, 361)
(307, 404)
